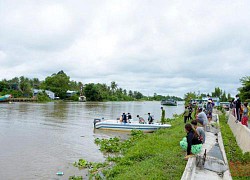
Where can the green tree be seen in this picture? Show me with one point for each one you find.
(245, 89)
(138, 95)
(57, 83)
(189, 96)
(217, 92)
(113, 86)
(92, 92)
(229, 97)
(4, 86)
(223, 97)
(130, 93)
(35, 83)
(25, 86)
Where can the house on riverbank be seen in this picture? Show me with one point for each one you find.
(49, 93)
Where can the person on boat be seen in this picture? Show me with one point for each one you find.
(141, 120)
(150, 119)
(129, 118)
(162, 115)
(124, 118)
(202, 118)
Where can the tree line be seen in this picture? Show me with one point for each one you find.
(244, 93)
(60, 83)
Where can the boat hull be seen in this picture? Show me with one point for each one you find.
(168, 103)
(118, 126)
(4, 98)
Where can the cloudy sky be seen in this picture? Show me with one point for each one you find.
(152, 46)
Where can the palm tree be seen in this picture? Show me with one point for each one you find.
(113, 86)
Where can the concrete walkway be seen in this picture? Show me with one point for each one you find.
(213, 164)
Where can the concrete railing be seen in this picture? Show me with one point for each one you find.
(241, 132)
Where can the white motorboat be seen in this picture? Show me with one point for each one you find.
(120, 126)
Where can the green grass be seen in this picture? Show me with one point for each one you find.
(239, 163)
(155, 156)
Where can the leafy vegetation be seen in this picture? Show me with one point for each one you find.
(245, 89)
(60, 83)
(223, 97)
(75, 178)
(239, 162)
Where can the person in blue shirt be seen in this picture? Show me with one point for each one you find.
(150, 119)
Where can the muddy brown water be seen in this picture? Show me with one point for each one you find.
(39, 139)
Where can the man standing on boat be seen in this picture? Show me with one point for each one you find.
(124, 118)
(162, 115)
(129, 118)
(150, 119)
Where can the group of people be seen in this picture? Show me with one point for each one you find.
(127, 118)
(188, 113)
(192, 143)
(240, 110)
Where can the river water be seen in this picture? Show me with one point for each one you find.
(39, 139)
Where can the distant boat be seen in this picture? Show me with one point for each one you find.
(82, 99)
(116, 125)
(5, 98)
(169, 102)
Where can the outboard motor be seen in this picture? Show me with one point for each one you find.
(96, 121)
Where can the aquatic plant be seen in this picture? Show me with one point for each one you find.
(75, 178)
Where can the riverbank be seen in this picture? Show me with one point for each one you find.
(155, 156)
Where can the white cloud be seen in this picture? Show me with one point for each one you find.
(167, 47)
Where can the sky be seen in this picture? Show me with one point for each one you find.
(168, 47)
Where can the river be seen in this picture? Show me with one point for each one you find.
(39, 139)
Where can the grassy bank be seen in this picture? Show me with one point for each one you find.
(153, 156)
(239, 163)
(143, 156)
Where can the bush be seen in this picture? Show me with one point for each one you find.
(43, 97)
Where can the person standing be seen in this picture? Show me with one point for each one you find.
(124, 118)
(237, 107)
(244, 120)
(190, 111)
(209, 110)
(150, 119)
(129, 118)
(162, 115)
(185, 114)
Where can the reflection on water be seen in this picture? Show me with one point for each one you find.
(39, 139)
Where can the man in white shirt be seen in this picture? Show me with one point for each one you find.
(202, 118)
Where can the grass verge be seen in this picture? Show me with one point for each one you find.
(239, 163)
(153, 156)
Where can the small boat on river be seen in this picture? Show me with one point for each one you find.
(120, 126)
(169, 102)
(5, 98)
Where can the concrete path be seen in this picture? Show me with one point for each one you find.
(213, 164)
